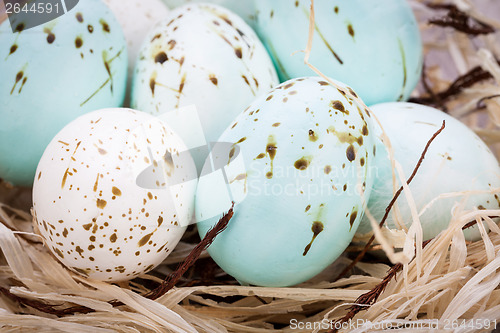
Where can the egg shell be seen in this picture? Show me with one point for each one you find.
(136, 18)
(457, 160)
(374, 46)
(296, 168)
(244, 9)
(52, 74)
(90, 209)
(204, 55)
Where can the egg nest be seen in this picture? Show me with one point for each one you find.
(449, 279)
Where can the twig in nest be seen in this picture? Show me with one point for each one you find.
(480, 103)
(172, 279)
(391, 203)
(166, 285)
(372, 296)
(460, 21)
(369, 298)
(475, 75)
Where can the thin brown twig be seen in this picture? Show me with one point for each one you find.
(369, 298)
(460, 21)
(172, 279)
(473, 76)
(480, 103)
(169, 282)
(391, 203)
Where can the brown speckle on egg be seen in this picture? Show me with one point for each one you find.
(152, 84)
(261, 155)
(116, 191)
(350, 30)
(238, 52)
(213, 79)
(58, 252)
(350, 153)
(105, 26)
(352, 218)
(317, 227)
(78, 42)
(161, 57)
(364, 130)
(101, 203)
(13, 49)
(312, 136)
(19, 27)
(352, 92)
(143, 241)
(302, 163)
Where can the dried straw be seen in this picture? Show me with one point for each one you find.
(448, 279)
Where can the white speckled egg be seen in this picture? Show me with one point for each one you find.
(136, 18)
(296, 167)
(89, 207)
(51, 74)
(374, 46)
(204, 55)
(457, 160)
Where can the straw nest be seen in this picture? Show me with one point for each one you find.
(449, 279)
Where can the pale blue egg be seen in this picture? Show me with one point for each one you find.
(202, 55)
(374, 46)
(296, 164)
(457, 161)
(245, 9)
(52, 74)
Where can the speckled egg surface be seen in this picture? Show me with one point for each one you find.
(296, 170)
(204, 55)
(52, 74)
(89, 208)
(136, 18)
(374, 46)
(245, 9)
(457, 160)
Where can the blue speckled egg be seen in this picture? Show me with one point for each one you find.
(245, 9)
(457, 160)
(374, 46)
(296, 165)
(52, 74)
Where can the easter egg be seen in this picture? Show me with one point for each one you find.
(457, 162)
(374, 46)
(295, 163)
(202, 55)
(52, 74)
(113, 194)
(244, 9)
